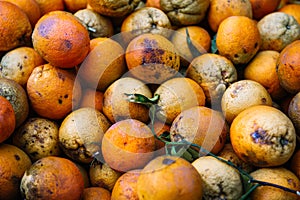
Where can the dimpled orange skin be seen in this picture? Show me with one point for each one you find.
(52, 88)
(263, 136)
(15, 29)
(7, 119)
(233, 43)
(61, 39)
(128, 144)
(288, 67)
(292, 9)
(53, 178)
(261, 8)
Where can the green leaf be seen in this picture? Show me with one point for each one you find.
(214, 48)
(195, 52)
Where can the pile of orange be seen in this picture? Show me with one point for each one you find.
(215, 73)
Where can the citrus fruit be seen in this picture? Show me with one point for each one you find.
(81, 133)
(102, 175)
(94, 193)
(92, 98)
(292, 9)
(241, 95)
(214, 73)
(287, 31)
(75, 5)
(262, 69)
(55, 88)
(220, 181)
(38, 137)
(61, 39)
(295, 163)
(176, 95)
(128, 144)
(103, 65)
(260, 8)
(126, 186)
(279, 176)
(48, 6)
(202, 126)
(180, 180)
(64, 180)
(232, 43)
(17, 96)
(14, 162)
(263, 136)
(221, 9)
(116, 107)
(288, 64)
(17, 64)
(7, 119)
(152, 58)
(183, 13)
(15, 28)
(294, 111)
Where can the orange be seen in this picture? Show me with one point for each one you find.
(55, 88)
(262, 69)
(61, 39)
(104, 64)
(279, 176)
(292, 9)
(64, 180)
(7, 119)
(30, 7)
(199, 37)
(221, 9)
(95, 41)
(263, 136)
(260, 8)
(48, 6)
(160, 128)
(95, 193)
(202, 126)
(15, 27)
(75, 5)
(169, 177)
(152, 58)
(17, 64)
(17, 96)
(126, 186)
(233, 43)
(92, 98)
(127, 145)
(295, 163)
(113, 8)
(153, 3)
(288, 66)
(287, 30)
(14, 162)
(294, 111)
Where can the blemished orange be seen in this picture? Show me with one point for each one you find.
(92, 98)
(95, 41)
(153, 3)
(48, 6)
(14, 162)
(15, 27)
(288, 66)
(232, 43)
(279, 176)
(263, 136)
(152, 58)
(292, 9)
(55, 88)
(61, 39)
(295, 163)
(260, 8)
(64, 180)
(126, 186)
(17, 64)
(95, 193)
(30, 7)
(7, 119)
(199, 37)
(221, 9)
(208, 128)
(262, 69)
(75, 5)
(127, 145)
